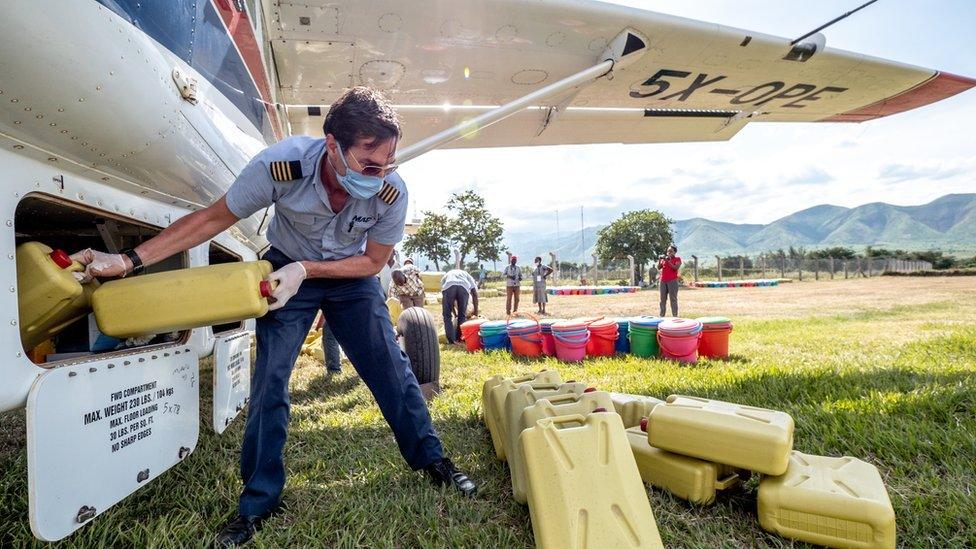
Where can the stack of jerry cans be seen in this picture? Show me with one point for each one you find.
(633, 408)
(837, 502)
(493, 399)
(526, 395)
(740, 436)
(583, 486)
(688, 478)
(557, 405)
(186, 298)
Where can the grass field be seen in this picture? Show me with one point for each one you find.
(881, 369)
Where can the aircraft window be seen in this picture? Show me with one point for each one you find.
(70, 227)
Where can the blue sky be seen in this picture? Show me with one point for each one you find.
(767, 170)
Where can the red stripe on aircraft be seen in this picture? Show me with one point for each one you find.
(241, 31)
(937, 88)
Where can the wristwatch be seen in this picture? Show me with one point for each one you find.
(137, 266)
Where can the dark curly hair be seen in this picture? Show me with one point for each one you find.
(361, 113)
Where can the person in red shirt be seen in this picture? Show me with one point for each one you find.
(669, 265)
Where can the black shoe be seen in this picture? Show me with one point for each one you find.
(241, 529)
(444, 473)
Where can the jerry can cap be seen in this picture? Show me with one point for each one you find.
(643, 424)
(265, 288)
(600, 409)
(60, 258)
(589, 390)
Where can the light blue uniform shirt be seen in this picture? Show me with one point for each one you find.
(304, 226)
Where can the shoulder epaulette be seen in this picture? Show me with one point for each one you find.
(285, 170)
(388, 193)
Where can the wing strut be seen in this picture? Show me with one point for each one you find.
(626, 48)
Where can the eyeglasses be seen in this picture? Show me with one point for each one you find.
(378, 171)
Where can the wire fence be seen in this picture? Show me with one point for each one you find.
(765, 266)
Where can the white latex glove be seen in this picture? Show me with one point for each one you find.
(289, 279)
(98, 264)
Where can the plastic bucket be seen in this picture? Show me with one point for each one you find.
(714, 342)
(571, 349)
(623, 337)
(469, 333)
(643, 342)
(525, 337)
(494, 335)
(680, 348)
(548, 341)
(603, 338)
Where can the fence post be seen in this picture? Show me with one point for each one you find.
(694, 266)
(762, 258)
(742, 267)
(596, 272)
(782, 265)
(799, 268)
(816, 269)
(831, 268)
(870, 265)
(719, 263)
(845, 268)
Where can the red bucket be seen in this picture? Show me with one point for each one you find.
(571, 349)
(469, 333)
(603, 338)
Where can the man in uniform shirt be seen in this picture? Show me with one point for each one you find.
(339, 211)
(456, 284)
(513, 283)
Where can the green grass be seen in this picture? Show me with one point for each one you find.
(895, 386)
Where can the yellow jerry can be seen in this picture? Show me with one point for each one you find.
(836, 502)
(526, 395)
(583, 485)
(395, 307)
(49, 298)
(492, 404)
(633, 408)
(688, 478)
(182, 299)
(556, 405)
(746, 437)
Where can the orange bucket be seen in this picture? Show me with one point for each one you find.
(469, 333)
(603, 337)
(715, 337)
(525, 336)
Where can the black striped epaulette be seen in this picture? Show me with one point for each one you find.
(285, 170)
(388, 193)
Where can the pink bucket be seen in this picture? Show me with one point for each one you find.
(571, 349)
(680, 348)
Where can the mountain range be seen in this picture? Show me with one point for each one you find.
(947, 223)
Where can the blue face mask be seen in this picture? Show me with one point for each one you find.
(356, 184)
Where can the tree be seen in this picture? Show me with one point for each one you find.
(642, 233)
(837, 252)
(432, 239)
(473, 228)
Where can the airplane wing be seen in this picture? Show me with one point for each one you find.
(445, 61)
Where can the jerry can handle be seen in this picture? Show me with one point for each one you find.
(727, 482)
(571, 418)
(566, 397)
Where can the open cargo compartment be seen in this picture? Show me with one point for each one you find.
(71, 227)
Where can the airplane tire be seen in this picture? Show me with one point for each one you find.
(418, 337)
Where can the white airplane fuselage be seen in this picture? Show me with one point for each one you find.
(92, 116)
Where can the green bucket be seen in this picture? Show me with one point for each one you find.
(643, 342)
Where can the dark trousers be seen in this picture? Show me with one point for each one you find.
(451, 297)
(360, 321)
(669, 289)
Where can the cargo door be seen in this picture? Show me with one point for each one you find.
(231, 377)
(99, 430)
